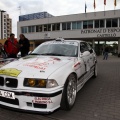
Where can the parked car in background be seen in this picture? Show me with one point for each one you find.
(49, 77)
(4, 61)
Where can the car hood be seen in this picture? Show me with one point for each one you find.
(34, 66)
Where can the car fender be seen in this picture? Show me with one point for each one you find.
(62, 73)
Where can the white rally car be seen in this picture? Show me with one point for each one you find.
(49, 77)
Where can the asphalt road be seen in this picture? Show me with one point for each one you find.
(99, 99)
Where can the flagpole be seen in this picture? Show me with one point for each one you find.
(85, 9)
(94, 5)
(104, 10)
(114, 6)
(114, 9)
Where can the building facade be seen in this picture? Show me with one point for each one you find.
(99, 28)
(5, 25)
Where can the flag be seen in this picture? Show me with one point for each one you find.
(94, 4)
(85, 7)
(115, 4)
(104, 2)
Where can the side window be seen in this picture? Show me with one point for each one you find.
(89, 47)
(83, 47)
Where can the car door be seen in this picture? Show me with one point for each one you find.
(92, 56)
(85, 55)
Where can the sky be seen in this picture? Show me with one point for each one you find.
(54, 7)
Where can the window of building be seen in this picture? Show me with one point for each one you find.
(58, 26)
(49, 27)
(63, 26)
(39, 28)
(23, 29)
(45, 28)
(114, 22)
(79, 25)
(4, 35)
(108, 23)
(55, 26)
(84, 24)
(31, 29)
(102, 23)
(99, 23)
(68, 25)
(90, 24)
(74, 25)
(4, 31)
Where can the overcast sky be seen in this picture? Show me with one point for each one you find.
(54, 7)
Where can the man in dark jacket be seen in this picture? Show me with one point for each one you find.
(24, 45)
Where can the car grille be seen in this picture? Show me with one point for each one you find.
(1, 81)
(40, 105)
(11, 82)
(11, 101)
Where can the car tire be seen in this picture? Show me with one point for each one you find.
(95, 71)
(69, 93)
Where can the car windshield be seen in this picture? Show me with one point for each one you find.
(70, 50)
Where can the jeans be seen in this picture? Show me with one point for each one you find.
(105, 56)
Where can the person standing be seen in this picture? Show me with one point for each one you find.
(24, 45)
(11, 46)
(106, 50)
(2, 52)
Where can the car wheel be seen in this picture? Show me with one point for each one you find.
(69, 93)
(95, 71)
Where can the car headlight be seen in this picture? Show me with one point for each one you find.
(31, 82)
(51, 83)
(40, 83)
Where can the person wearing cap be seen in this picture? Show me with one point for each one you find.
(11, 46)
(24, 45)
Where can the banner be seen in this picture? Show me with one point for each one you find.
(115, 4)
(104, 2)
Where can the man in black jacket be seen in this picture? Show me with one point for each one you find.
(24, 45)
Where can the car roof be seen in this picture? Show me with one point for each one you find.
(63, 40)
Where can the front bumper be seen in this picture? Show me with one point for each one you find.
(33, 101)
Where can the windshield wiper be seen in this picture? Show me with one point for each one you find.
(53, 54)
(34, 54)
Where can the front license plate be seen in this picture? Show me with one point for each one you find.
(7, 94)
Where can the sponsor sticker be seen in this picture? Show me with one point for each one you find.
(42, 100)
(10, 72)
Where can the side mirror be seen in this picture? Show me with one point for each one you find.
(29, 52)
(86, 53)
